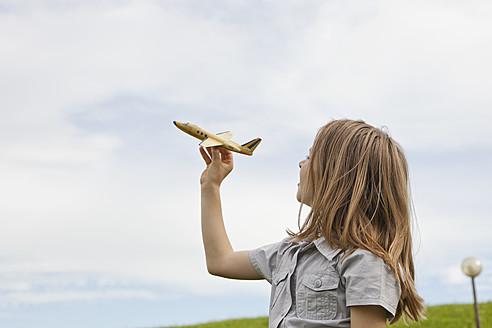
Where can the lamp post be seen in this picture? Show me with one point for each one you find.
(472, 267)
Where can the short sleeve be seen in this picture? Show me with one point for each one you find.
(369, 281)
(264, 259)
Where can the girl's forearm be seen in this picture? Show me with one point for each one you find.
(215, 240)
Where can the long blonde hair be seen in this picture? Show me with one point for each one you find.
(361, 199)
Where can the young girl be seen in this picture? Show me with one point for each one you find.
(351, 264)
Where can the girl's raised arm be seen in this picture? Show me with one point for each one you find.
(222, 260)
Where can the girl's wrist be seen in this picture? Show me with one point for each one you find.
(206, 186)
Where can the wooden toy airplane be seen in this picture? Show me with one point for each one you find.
(220, 139)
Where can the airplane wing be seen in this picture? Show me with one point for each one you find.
(226, 135)
(209, 142)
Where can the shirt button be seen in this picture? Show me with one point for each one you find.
(317, 283)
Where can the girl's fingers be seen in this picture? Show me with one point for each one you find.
(209, 151)
(215, 154)
(205, 157)
(225, 152)
(226, 155)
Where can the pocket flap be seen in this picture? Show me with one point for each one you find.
(280, 276)
(322, 281)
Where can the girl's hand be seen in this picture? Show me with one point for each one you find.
(219, 164)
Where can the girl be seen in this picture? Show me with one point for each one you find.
(350, 264)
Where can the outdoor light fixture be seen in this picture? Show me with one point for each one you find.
(472, 267)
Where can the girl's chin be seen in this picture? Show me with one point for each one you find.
(300, 200)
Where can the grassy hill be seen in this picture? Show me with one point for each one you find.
(449, 316)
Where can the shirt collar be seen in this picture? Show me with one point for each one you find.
(325, 249)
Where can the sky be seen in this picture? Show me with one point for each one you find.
(99, 192)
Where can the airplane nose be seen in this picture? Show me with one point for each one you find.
(175, 123)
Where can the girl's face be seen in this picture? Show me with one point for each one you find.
(304, 193)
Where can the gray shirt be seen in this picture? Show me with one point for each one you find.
(314, 285)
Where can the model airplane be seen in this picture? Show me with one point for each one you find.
(220, 139)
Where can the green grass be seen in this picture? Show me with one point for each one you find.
(239, 323)
(440, 316)
(454, 316)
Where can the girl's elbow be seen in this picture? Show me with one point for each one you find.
(214, 270)
(220, 269)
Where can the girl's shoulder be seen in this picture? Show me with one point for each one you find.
(362, 263)
(359, 256)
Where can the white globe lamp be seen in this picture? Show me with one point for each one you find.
(472, 267)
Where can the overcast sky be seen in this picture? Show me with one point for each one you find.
(99, 192)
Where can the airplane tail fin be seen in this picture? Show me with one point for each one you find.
(251, 146)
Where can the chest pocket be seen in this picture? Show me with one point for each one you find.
(317, 296)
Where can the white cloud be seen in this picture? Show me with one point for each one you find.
(454, 276)
(392, 64)
(60, 151)
(419, 71)
(14, 286)
(67, 296)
